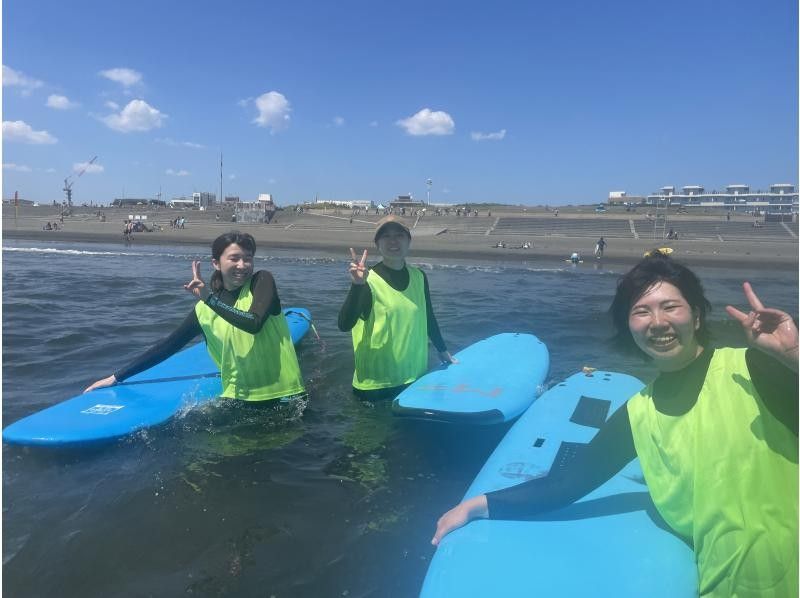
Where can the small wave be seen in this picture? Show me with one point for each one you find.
(53, 250)
(298, 259)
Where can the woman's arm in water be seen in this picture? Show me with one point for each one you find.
(189, 329)
(433, 326)
(610, 450)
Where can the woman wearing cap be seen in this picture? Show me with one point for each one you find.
(388, 310)
(715, 434)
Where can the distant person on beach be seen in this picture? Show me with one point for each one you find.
(600, 247)
(715, 435)
(575, 257)
(389, 313)
(239, 315)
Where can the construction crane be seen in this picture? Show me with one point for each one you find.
(68, 182)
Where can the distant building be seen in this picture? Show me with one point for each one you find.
(204, 200)
(781, 198)
(406, 201)
(260, 211)
(181, 202)
(621, 198)
(347, 203)
(738, 189)
(121, 202)
(20, 202)
(231, 199)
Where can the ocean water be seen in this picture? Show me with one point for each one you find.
(342, 502)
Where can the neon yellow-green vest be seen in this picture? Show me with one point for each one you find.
(254, 367)
(391, 346)
(724, 476)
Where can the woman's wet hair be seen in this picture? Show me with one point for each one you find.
(221, 243)
(656, 267)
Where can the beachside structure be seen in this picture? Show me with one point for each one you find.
(181, 202)
(204, 200)
(781, 198)
(261, 211)
(406, 201)
(120, 202)
(364, 204)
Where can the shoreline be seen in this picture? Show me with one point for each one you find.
(774, 255)
(333, 233)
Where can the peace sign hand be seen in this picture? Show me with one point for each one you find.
(771, 330)
(358, 270)
(197, 285)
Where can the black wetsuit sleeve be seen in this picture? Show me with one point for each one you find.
(189, 329)
(609, 451)
(777, 386)
(433, 326)
(265, 303)
(357, 304)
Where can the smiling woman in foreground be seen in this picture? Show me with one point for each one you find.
(715, 433)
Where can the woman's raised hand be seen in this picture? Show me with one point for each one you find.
(358, 269)
(771, 330)
(197, 285)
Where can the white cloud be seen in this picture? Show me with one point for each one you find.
(60, 102)
(16, 167)
(177, 172)
(172, 142)
(273, 111)
(123, 76)
(12, 78)
(374, 123)
(138, 115)
(244, 102)
(112, 105)
(427, 122)
(496, 136)
(18, 130)
(50, 170)
(338, 121)
(87, 168)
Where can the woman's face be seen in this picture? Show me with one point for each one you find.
(663, 325)
(235, 265)
(394, 242)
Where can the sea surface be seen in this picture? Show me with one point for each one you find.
(341, 503)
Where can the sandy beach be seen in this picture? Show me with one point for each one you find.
(334, 233)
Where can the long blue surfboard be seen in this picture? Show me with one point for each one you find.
(188, 378)
(494, 381)
(610, 543)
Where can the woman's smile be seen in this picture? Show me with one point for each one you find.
(663, 325)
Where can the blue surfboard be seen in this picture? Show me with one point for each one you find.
(494, 381)
(609, 543)
(185, 379)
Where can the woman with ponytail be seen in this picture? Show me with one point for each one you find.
(239, 315)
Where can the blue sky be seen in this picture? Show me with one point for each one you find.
(515, 102)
